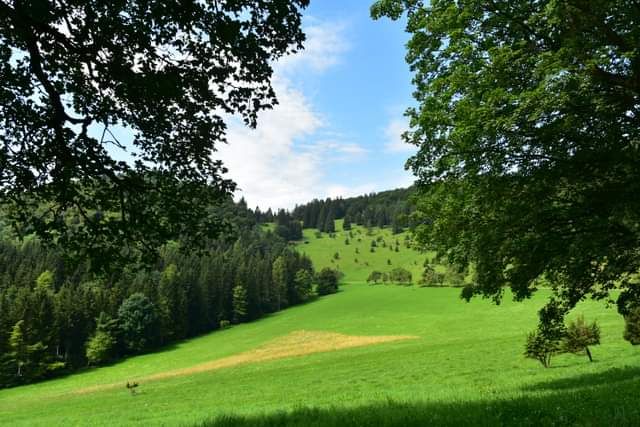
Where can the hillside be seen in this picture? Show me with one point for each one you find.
(355, 258)
(387, 354)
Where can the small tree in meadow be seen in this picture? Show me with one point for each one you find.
(580, 335)
(632, 326)
(541, 348)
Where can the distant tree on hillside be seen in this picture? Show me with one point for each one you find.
(139, 322)
(327, 281)
(304, 285)
(101, 346)
(374, 277)
(240, 303)
(346, 224)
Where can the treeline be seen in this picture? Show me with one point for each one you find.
(54, 320)
(388, 208)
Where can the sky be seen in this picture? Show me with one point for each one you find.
(336, 130)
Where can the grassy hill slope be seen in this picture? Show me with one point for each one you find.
(356, 260)
(447, 362)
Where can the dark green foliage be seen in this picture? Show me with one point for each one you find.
(579, 336)
(168, 85)
(100, 348)
(327, 281)
(632, 327)
(240, 304)
(527, 130)
(381, 209)
(375, 277)
(430, 277)
(541, 348)
(62, 307)
(140, 324)
(400, 276)
(304, 285)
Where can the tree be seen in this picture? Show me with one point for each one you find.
(280, 280)
(18, 347)
(327, 281)
(139, 322)
(541, 348)
(304, 284)
(632, 327)
(375, 277)
(527, 131)
(101, 346)
(240, 305)
(346, 224)
(74, 73)
(579, 336)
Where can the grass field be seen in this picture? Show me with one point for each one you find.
(356, 260)
(369, 355)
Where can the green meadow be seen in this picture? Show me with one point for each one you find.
(355, 258)
(369, 355)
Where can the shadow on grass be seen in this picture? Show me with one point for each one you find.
(608, 378)
(610, 404)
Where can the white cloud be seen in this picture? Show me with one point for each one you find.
(323, 49)
(281, 162)
(393, 136)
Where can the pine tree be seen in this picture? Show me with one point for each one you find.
(240, 304)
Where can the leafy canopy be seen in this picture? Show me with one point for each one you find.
(528, 136)
(72, 73)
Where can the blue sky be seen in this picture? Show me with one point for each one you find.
(337, 129)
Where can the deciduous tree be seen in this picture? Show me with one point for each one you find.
(528, 137)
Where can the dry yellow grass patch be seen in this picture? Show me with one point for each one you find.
(297, 343)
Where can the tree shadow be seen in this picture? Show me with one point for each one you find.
(608, 403)
(591, 380)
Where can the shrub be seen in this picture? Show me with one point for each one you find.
(430, 277)
(327, 281)
(400, 276)
(375, 277)
(541, 348)
(579, 336)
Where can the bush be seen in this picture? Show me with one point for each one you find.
(430, 277)
(327, 281)
(579, 336)
(632, 326)
(541, 348)
(375, 277)
(400, 276)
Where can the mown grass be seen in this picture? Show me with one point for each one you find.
(465, 367)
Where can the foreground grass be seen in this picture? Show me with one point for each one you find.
(464, 367)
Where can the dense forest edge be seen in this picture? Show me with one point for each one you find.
(56, 318)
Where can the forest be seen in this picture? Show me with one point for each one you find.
(55, 319)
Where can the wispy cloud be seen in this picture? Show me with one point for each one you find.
(324, 48)
(393, 136)
(281, 162)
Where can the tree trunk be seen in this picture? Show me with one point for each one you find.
(589, 354)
